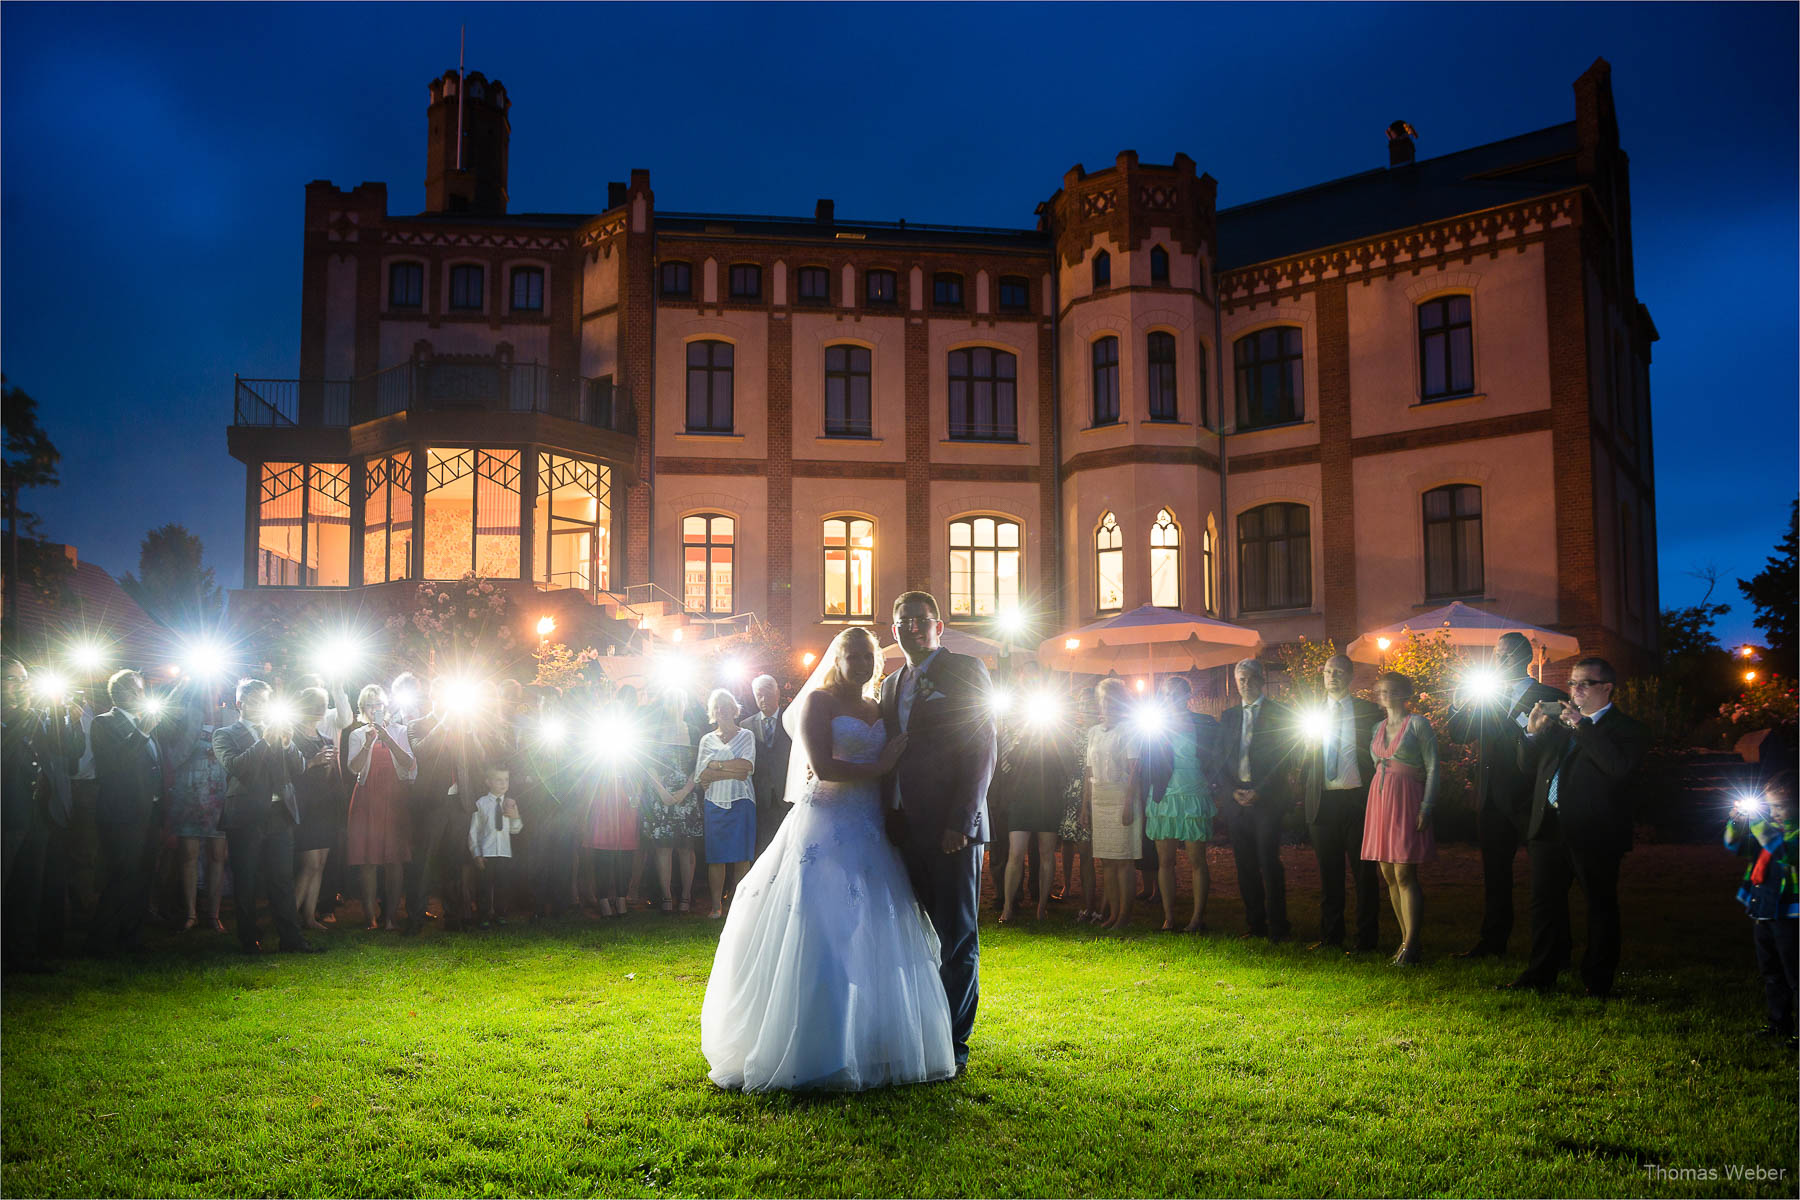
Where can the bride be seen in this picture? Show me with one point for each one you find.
(826, 974)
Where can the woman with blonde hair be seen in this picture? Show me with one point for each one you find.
(727, 757)
(379, 827)
(1114, 816)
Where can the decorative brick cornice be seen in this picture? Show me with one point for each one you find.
(711, 466)
(475, 239)
(981, 473)
(1269, 460)
(1446, 435)
(1119, 456)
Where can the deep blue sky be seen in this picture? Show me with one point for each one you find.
(152, 161)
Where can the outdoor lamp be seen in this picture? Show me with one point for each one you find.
(1382, 644)
(1071, 643)
(1749, 676)
(546, 626)
(808, 659)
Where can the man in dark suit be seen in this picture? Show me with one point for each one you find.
(42, 742)
(128, 774)
(261, 812)
(1580, 757)
(937, 792)
(773, 746)
(1490, 713)
(1254, 768)
(1335, 772)
(447, 745)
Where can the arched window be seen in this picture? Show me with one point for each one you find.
(708, 543)
(1274, 558)
(849, 566)
(1452, 516)
(1269, 389)
(1102, 270)
(1109, 564)
(1106, 381)
(709, 387)
(847, 391)
(1209, 567)
(986, 565)
(1446, 348)
(1159, 265)
(984, 395)
(1161, 347)
(1165, 561)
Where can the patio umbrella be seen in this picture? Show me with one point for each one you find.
(1148, 640)
(958, 642)
(1467, 626)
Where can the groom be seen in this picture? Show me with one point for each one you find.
(936, 796)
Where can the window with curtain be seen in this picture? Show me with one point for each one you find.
(471, 513)
(947, 290)
(1015, 293)
(1160, 347)
(984, 398)
(1106, 380)
(571, 523)
(1109, 564)
(1452, 517)
(1159, 265)
(849, 566)
(986, 566)
(387, 518)
(814, 285)
(1269, 387)
(467, 284)
(406, 285)
(881, 287)
(1165, 561)
(746, 282)
(709, 366)
(847, 391)
(1446, 348)
(528, 289)
(303, 525)
(1209, 566)
(1274, 558)
(708, 543)
(677, 279)
(1102, 270)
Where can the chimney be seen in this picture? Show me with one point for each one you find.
(615, 194)
(825, 212)
(1400, 143)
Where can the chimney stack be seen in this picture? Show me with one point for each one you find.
(1400, 143)
(615, 194)
(825, 212)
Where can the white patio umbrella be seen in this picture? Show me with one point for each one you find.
(957, 642)
(1149, 640)
(1467, 626)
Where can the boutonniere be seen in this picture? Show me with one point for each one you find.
(926, 688)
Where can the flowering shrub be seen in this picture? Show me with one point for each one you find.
(562, 668)
(1768, 702)
(463, 620)
(1304, 660)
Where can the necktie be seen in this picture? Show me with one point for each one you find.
(1556, 779)
(1334, 743)
(1244, 743)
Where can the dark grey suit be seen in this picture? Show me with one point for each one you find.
(1256, 828)
(128, 775)
(1335, 818)
(262, 809)
(942, 783)
(769, 778)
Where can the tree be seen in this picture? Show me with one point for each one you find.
(30, 462)
(1775, 594)
(173, 584)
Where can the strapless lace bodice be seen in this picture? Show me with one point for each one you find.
(853, 741)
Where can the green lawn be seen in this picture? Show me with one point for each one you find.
(567, 1062)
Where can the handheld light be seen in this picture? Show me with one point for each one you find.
(1001, 701)
(672, 673)
(1481, 685)
(203, 658)
(1749, 804)
(734, 670)
(1151, 717)
(49, 687)
(1042, 708)
(153, 706)
(614, 737)
(552, 730)
(335, 657)
(458, 695)
(281, 714)
(1011, 623)
(1315, 724)
(87, 657)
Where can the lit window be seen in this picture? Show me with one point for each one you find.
(849, 567)
(571, 524)
(303, 525)
(466, 286)
(707, 545)
(1109, 564)
(1268, 377)
(1452, 518)
(881, 287)
(528, 289)
(1446, 348)
(847, 391)
(387, 518)
(984, 396)
(1165, 561)
(1274, 558)
(472, 513)
(985, 566)
(709, 375)
(1209, 567)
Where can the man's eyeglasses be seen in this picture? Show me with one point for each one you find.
(1586, 683)
(913, 622)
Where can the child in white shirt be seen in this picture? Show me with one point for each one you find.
(491, 829)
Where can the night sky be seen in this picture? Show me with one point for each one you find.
(152, 161)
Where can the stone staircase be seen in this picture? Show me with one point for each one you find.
(1689, 793)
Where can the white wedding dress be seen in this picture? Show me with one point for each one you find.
(826, 975)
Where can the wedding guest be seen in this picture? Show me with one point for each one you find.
(378, 832)
(1336, 771)
(1074, 832)
(446, 742)
(1113, 814)
(726, 760)
(492, 827)
(262, 809)
(1397, 828)
(1038, 761)
(1254, 767)
(1762, 829)
(196, 800)
(774, 747)
(321, 817)
(1180, 810)
(672, 819)
(42, 746)
(611, 835)
(128, 770)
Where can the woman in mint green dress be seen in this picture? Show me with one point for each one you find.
(1180, 812)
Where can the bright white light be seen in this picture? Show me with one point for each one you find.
(1071, 643)
(734, 670)
(1150, 717)
(203, 659)
(675, 635)
(337, 656)
(1749, 804)
(49, 687)
(174, 670)
(1315, 724)
(1481, 684)
(1382, 644)
(281, 714)
(672, 673)
(552, 730)
(87, 657)
(1011, 623)
(614, 737)
(808, 659)
(458, 695)
(153, 706)
(1141, 685)
(1001, 700)
(1043, 708)
(546, 626)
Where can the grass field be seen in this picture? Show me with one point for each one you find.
(567, 1061)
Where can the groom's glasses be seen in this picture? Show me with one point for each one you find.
(913, 622)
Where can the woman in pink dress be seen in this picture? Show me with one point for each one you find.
(1397, 829)
(612, 826)
(379, 830)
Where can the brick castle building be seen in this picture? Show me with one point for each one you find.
(1315, 414)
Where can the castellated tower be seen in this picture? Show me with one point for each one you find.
(476, 183)
(1135, 254)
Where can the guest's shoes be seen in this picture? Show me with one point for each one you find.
(1194, 927)
(684, 906)
(1479, 950)
(189, 923)
(1326, 945)
(668, 906)
(1251, 933)
(1526, 982)
(250, 948)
